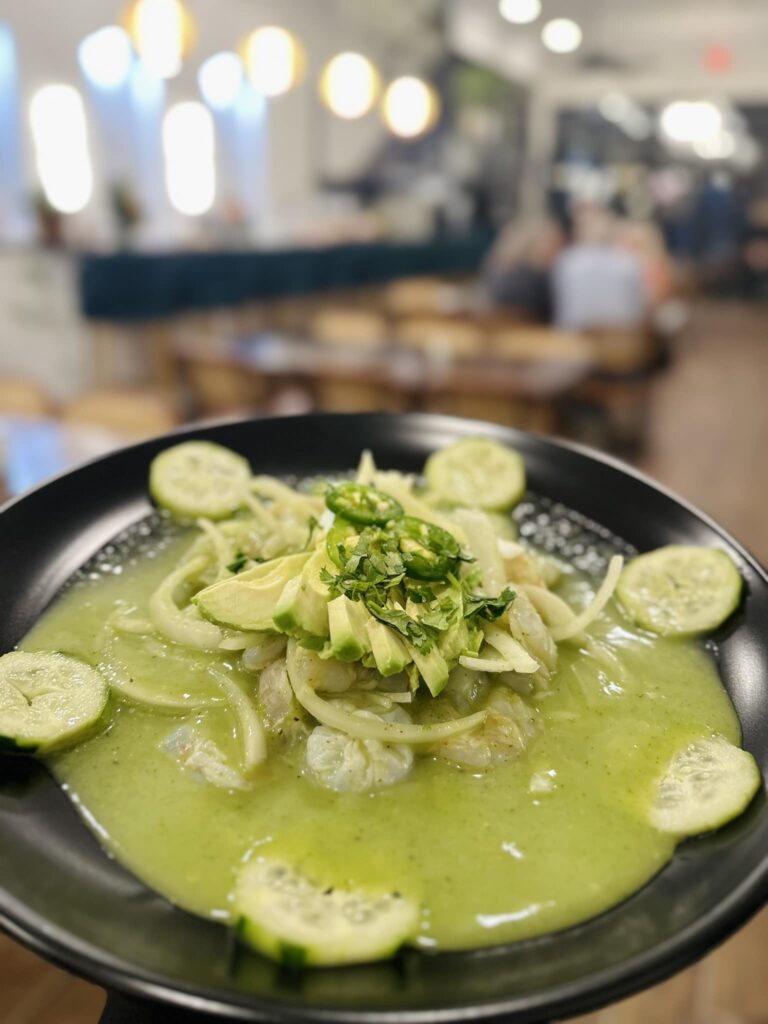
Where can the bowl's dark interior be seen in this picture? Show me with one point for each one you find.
(63, 896)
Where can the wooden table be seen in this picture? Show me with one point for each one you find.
(418, 377)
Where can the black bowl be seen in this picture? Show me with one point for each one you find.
(65, 899)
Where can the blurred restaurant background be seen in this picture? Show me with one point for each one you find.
(551, 214)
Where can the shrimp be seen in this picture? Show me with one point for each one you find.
(345, 764)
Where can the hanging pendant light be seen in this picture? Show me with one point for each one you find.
(410, 107)
(163, 33)
(274, 60)
(349, 85)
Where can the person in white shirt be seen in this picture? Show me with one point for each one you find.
(597, 283)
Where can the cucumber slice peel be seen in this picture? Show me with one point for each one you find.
(679, 590)
(199, 478)
(476, 473)
(705, 786)
(47, 700)
(290, 919)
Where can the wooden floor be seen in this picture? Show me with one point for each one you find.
(709, 442)
(709, 421)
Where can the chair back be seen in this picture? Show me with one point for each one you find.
(20, 396)
(354, 396)
(130, 414)
(621, 351)
(343, 326)
(539, 344)
(441, 335)
(219, 389)
(414, 296)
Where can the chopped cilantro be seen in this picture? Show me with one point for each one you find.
(478, 606)
(412, 630)
(442, 616)
(419, 593)
(471, 579)
(376, 568)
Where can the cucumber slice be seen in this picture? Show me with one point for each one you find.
(199, 478)
(704, 787)
(678, 590)
(47, 700)
(291, 919)
(476, 473)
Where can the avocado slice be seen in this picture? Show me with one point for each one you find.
(347, 625)
(302, 608)
(432, 667)
(451, 643)
(247, 601)
(455, 641)
(389, 652)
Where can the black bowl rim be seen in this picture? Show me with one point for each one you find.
(591, 992)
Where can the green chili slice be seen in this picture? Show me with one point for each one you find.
(341, 541)
(429, 552)
(358, 503)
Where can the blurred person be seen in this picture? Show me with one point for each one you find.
(517, 271)
(645, 240)
(668, 312)
(596, 282)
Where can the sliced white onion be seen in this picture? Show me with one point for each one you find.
(366, 728)
(253, 738)
(595, 606)
(509, 549)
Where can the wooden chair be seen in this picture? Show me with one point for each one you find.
(348, 326)
(614, 402)
(441, 336)
(542, 417)
(531, 344)
(414, 296)
(621, 351)
(130, 414)
(336, 395)
(20, 396)
(290, 315)
(218, 389)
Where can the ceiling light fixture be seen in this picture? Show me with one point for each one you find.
(687, 122)
(274, 60)
(220, 79)
(520, 12)
(561, 35)
(190, 163)
(411, 107)
(57, 118)
(349, 85)
(162, 32)
(106, 57)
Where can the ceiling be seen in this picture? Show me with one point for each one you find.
(656, 45)
(401, 33)
(639, 45)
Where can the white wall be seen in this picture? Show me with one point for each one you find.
(303, 139)
(42, 336)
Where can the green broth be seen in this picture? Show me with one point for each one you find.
(489, 859)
